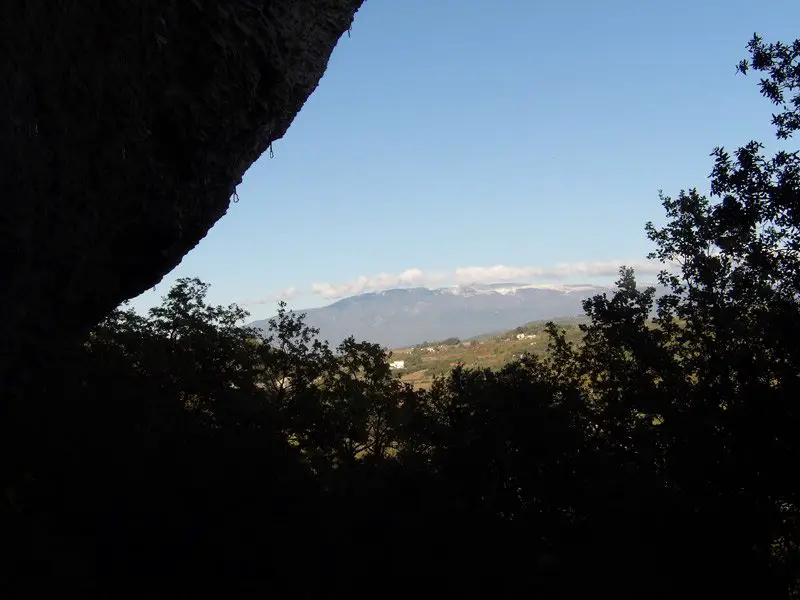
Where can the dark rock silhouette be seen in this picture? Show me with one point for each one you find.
(125, 129)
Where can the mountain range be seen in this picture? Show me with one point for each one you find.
(402, 317)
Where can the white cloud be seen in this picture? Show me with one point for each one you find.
(376, 283)
(492, 274)
(501, 273)
(289, 293)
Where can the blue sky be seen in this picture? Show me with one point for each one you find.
(489, 140)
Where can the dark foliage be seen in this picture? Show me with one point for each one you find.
(189, 454)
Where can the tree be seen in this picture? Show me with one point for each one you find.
(657, 454)
(779, 61)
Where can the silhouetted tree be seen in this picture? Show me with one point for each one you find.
(654, 459)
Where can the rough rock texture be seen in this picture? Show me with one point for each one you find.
(125, 127)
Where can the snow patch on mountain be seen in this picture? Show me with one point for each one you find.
(511, 289)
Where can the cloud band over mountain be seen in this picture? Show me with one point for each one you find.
(477, 275)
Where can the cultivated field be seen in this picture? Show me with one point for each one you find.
(424, 362)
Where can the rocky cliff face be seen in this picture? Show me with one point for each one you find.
(124, 129)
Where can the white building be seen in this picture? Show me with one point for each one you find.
(397, 364)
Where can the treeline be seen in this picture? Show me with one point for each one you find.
(183, 453)
(451, 341)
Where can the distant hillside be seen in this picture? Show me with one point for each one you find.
(402, 317)
(419, 364)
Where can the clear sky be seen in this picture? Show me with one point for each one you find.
(489, 140)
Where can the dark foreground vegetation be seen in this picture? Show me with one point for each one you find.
(181, 453)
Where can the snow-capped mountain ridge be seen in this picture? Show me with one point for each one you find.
(513, 288)
(404, 316)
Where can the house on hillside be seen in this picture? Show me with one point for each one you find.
(397, 364)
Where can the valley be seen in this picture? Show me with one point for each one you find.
(421, 363)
